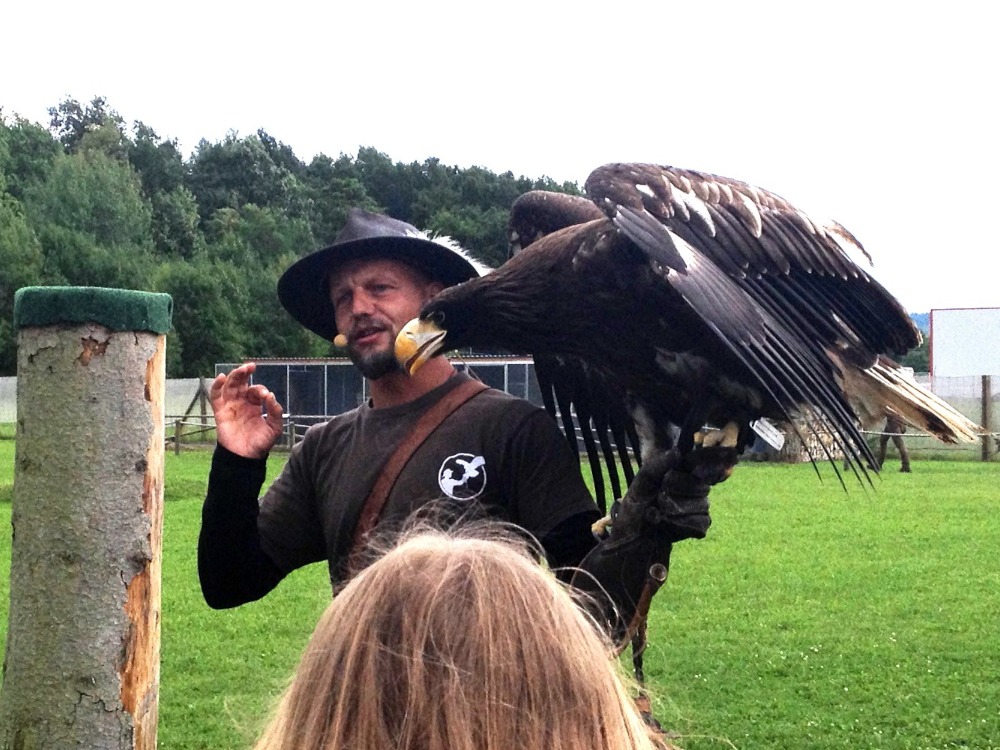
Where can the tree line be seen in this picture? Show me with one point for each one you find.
(91, 201)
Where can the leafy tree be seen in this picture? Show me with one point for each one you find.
(255, 236)
(482, 188)
(334, 187)
(175, 223)
(270, 235)
(69, 121)
(237, 172)
(4, 157)
(435, 188)
(26, 156)
(388, 184)
(161, 170)
(270, 330)
(73, 258)
(481, 232)
(258, 244)
(158, 162)
(84, 203)
(107, 139)
(207, 326)
(93, 222)
(281, 154)
(96, 194)
(22, 261)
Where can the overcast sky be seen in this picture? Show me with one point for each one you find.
(882, 116)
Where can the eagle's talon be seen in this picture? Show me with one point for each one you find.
(727, 437)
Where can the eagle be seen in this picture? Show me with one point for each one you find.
(666, 300)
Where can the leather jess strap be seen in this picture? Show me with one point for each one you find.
(424, 426)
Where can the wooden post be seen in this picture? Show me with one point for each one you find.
(987, 403)
(83, 643)
(178, 428)
(203, 402)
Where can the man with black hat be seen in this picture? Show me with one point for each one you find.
(439, 438)
(491, 453)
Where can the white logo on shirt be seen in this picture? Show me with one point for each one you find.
(462, 476)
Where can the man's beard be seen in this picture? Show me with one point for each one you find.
(375, 365)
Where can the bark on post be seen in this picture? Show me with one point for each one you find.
(82, 662)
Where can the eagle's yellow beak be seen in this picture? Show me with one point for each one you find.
(417, 342)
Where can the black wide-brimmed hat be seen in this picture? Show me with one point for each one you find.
(304, 288)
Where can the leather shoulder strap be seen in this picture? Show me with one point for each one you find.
(425, 425)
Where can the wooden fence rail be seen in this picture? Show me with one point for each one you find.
(183, 430)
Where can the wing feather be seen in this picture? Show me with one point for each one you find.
(790, 244)
(791, 367)
(588, 404)
(784, 293)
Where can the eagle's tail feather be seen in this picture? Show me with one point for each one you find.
(885, 390)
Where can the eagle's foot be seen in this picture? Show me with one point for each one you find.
(714, 454)
(727, 437)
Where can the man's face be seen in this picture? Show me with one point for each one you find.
(372, 300)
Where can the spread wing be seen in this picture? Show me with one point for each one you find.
(781, 363)
(807, 272)
(787, 295)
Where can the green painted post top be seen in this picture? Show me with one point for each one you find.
(117, 309)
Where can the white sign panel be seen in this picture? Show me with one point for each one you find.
(965, 341)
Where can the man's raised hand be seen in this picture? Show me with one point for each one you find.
(248, 418)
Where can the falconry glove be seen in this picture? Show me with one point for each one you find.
(665, 503)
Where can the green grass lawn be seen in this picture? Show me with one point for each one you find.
(809, 617)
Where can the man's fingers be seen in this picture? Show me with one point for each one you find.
(215, 390)
(234, 386)
(258, 394)
(273, 409)
(237, 380)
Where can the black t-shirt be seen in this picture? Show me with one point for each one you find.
(496, 455)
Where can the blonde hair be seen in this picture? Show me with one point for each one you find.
(456, 640)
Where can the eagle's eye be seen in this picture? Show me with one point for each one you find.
(437, 317)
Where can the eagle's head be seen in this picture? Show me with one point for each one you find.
(520, 308)
(501, 310)
(418, 341)
(445, 323)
